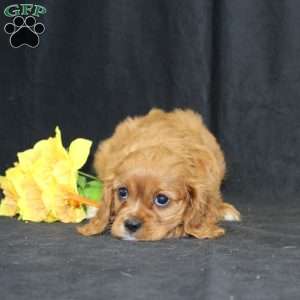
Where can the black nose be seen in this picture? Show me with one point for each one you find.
(132, 225)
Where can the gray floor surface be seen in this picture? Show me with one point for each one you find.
(257, 259)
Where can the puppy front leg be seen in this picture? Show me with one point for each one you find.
(98, 223)
(95, 226)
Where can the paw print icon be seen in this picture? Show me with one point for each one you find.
(24, 32)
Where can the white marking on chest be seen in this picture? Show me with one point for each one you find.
(91, 211)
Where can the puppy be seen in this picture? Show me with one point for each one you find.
(162, 174)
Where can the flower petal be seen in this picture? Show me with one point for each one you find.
(38, 186)
(8, 207)
(79, 151)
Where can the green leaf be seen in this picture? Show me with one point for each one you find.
(95, 183)
(81, 181)
(93, 193)
(80, 191)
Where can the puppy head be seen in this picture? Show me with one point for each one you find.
(149, 195)
(152, 195)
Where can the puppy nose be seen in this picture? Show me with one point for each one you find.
(132, 225)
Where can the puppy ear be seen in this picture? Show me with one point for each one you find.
(101, 220)
(201, 216)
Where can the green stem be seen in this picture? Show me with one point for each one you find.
(87, 175)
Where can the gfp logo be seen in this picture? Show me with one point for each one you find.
(24, 30)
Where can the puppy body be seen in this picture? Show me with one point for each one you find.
(171, 154)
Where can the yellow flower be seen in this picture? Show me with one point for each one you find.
(40, 185)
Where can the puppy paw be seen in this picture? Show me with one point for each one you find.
(208, 232)
(229, 213)
(89, 229)
(84, 230)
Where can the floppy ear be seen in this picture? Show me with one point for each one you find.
(101, 220)
(201, 216)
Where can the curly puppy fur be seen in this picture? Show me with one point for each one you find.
(169, 153)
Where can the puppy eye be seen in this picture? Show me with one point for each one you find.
(161, 200)
(123, 193)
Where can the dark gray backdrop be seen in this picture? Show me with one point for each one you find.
(236, 62)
